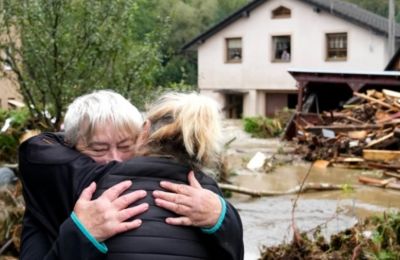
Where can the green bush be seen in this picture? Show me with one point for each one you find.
(262, 127)
(9, 139)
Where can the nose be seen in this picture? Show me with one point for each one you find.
(115, 155)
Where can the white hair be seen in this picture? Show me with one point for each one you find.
(190, 121)
(91, 111)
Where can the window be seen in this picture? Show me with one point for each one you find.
(7, 65)
(281, 12)
(6, 59)
(234, 50)
(336, 48)
(281, 48)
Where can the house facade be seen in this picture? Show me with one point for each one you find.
(9, 94)
(244, 59)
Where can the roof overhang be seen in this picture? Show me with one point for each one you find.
(15, 103)
(232, 91)
(354, 79)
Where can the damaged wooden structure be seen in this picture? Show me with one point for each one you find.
(348, 117)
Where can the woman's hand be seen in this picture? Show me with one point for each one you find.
(105, 216)
(196, 206)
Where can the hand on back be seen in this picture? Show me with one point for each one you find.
(106, 216)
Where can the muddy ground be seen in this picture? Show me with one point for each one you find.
(267, 221)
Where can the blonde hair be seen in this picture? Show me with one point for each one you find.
(189, 122)
(89, 112)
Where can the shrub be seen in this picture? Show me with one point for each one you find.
(262, 127)
(9, 138)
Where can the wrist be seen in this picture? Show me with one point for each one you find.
(220, 219)
(99, 245)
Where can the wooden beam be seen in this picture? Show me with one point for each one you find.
(381, 155)
(374, 100)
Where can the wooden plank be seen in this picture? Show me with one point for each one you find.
(391, 93)
(321, 164)
(380, 155)
(374, 100)
(379, 140)
(375, 181)
(347, 128)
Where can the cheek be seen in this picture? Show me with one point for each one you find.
(127, 155)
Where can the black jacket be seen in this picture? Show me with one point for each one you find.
(53, 177)
(157, 240)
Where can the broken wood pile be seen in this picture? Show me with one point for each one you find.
(366, 123)
(365, 133)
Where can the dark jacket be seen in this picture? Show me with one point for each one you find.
(157, 240)
(53, 177)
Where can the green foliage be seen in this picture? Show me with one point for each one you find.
(9, 140)
(59, 49)
(62, 49)
(386, 235)
(263, 127)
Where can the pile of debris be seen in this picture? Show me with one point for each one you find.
(11, 212)
(364, 129)
(377, 237)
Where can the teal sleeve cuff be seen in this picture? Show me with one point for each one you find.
(219, 221)
(100, 246)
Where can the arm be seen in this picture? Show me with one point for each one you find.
(70, 244)
(73, 240)
(202, 207)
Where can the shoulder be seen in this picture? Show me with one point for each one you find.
(47, 148)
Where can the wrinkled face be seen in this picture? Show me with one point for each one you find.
(108, 144)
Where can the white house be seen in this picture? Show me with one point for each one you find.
(243, 60)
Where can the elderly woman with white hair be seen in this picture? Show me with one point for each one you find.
(182, 134)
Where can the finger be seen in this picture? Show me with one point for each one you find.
(127, 199)
(176, 208)
(181, 221)
(126, 226)
(116, 190)
(173, 197)
(132, 212)
(176, 188)
(193, 181)
(87, 193)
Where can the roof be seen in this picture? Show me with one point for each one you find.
(15, 103)
(395, 74)
(342, 9)
(375, 78)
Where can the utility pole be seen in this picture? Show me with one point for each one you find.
(391, 29)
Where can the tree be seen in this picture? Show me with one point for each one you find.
(58, 50)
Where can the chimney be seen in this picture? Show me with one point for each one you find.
(391, 29)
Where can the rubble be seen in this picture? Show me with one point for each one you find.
(375, 238)
(363, 133)
(11, 212)
(365, 123)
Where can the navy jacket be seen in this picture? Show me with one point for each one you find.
(53, 177)
(157, 240)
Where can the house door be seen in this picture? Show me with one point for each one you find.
(275, 102)
(234, 105)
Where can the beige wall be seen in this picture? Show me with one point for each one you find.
(366, 51)
(8, 90)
